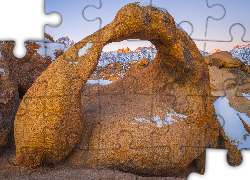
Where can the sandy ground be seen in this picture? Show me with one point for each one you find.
(62, 171)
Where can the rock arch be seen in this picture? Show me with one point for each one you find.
(50, 118)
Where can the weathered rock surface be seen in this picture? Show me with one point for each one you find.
(229, 77)
(222, 67)
(136, 67)
(63, 170)
(9, 102)
(112, 72)
(126, 131)
(223, 59)
(16, 76)
(24, 71)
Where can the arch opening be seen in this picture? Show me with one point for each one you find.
(123, 58)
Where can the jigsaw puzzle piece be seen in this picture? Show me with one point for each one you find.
(217, 167)
(237, 31)
(183, 147)
(193, 26)
(230, 88)
(197, 119)
(96, 7)
(45, 136)
(235, 112)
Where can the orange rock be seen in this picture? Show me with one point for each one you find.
(224, 66)
(113, 141)
(225, 59)
(144, 62)
(133, 68)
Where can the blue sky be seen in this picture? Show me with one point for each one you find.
(195, 12)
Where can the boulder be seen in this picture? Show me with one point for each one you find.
(223, 59)
(137, 66)
(145, 124)
(223, 66)
(144, 62)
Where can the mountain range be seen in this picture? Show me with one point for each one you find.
(127, 55)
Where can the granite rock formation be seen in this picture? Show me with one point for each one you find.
(223, 59)
(230, 78)
(142, 124)
(222, 67)
(137, 66)
(16, 77)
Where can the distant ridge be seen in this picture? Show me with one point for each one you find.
(65, 40)
(124, 55)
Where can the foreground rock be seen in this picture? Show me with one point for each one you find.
(128, 127)
(63, 170)
(16, 77)
(230, 78)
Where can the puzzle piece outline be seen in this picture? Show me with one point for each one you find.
(187, 101)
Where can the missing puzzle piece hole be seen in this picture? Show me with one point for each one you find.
(19, 49)
(26, 23)
(217, 166)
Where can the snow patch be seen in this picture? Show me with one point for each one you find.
(47, 40)
(2, 71)
(143, 120)
(204, 53)
(48, 49)
(242, 53)
(99, 81)
(51, 49)
(0, 55)
(232, 125)
(246, 95)
(85, 49)
(167, 120)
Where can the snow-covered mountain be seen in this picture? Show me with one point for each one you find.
(126, 55)
(65, 40)
(204, 53)
(130, 56)
(242, 52)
